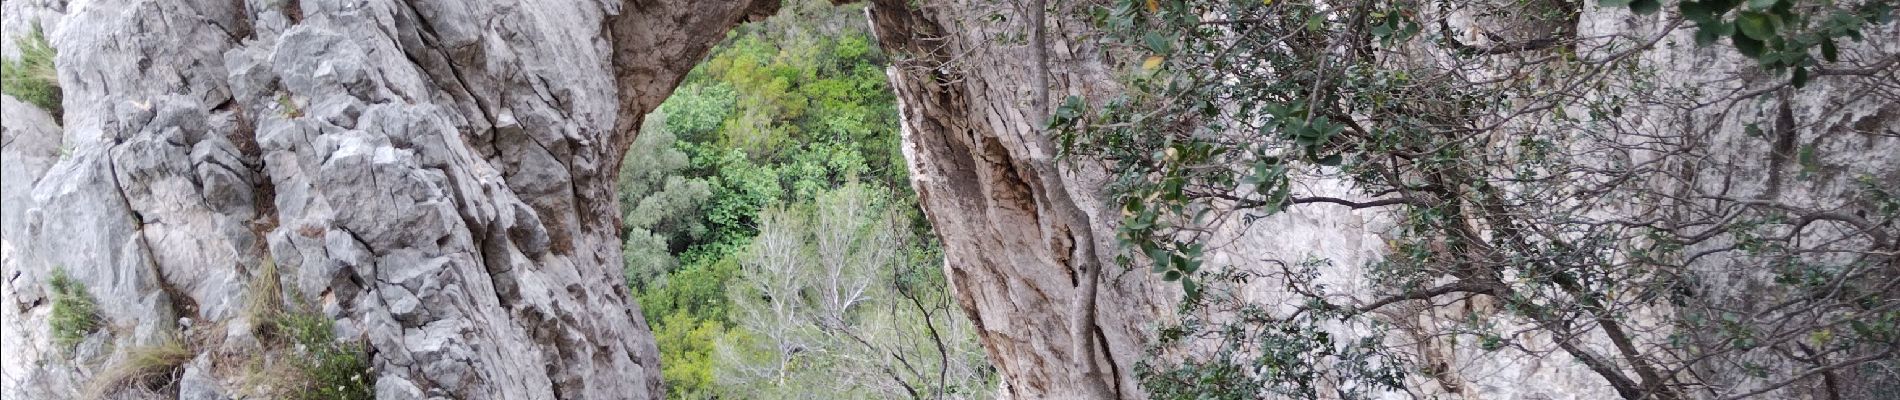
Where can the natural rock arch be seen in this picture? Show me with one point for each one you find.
(436, 176)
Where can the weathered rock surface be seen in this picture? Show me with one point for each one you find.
(436, 176)
(970, 133)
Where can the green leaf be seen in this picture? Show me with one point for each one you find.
(1695, 11)
(1614, 3)
(1828, 51)
(1171, 276)
(1756, 25)
(1159, 255)
(1332, 160)
(1645, 7)
(1748, 46)
(1800, 77)
(1157, 43)
(1140, 222)
(1302, 135)
(1761, 4)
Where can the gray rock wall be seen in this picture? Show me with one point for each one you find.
(435, 176)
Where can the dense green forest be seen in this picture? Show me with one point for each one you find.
(771, 234)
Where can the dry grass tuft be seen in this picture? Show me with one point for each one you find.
(148, 368)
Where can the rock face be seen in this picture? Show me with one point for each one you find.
(1009, 230)
(435, 176)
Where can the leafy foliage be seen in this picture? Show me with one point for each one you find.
(785, 111)
(665, 218)
(686, 354)
(328, 369)
(1780, 34)
(1502, 151)
(304, 359)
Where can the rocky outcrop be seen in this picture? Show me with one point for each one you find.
(435, 176)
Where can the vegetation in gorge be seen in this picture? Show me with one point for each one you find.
(770, 234)
(1506, 150)
(837, 298)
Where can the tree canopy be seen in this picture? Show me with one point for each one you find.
(1574, 197)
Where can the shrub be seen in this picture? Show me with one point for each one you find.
(75, 315)
(304, 358)
(330, 370)
(32, 78)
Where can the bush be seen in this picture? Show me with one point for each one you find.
(32, 78)
(75, 315)
(330, 370)
(305, 360)
(686, 347)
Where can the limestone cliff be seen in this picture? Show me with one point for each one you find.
(434, 176)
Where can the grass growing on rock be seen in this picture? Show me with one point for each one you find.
(32, 78)
(304, 359)
(75, 314)
(146, 368)
(330, 370)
